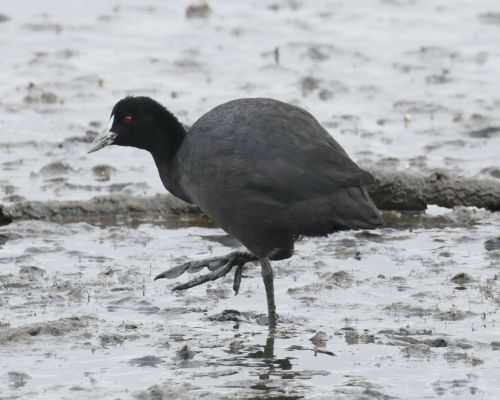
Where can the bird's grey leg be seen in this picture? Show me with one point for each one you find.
(267, 276)
(237, 279)
(219, 266)
(269, 347)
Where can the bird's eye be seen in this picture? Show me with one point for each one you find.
(127, 120)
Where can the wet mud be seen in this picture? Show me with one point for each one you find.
(105, 210)
(410, 311)
(358, 312)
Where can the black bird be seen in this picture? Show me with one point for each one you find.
(265, 171)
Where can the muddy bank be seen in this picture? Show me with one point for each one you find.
(407, 192)
(102, 209)
(393, 191)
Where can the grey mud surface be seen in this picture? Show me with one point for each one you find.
(394, 313)
(408, 87)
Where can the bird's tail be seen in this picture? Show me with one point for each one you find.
(354, 209)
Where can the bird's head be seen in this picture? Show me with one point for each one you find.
(138, 122)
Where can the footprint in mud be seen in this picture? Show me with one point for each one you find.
(146, 361)
(419, 107)
(454, 357)
(416, 351)
(3, 239)
(185, 353)
(31, 272)
(328, 281)
(453, 314)
(405, 338)
(439, 79)
(17, 379)
(201, 11)
(491, 172)
(111, 340)
(485, 133)
(44, 27)
(42, 98)
(458, 387)
(461, 279)
(495, 345)
(352, 336)
(102, 172)
(171, 389)
(56, 168)
(492, 244)
(490, 18)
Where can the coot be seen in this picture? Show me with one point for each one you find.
(265, 171)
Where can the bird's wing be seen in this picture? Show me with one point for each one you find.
(300, 175)
(266, 148)
(292, 158)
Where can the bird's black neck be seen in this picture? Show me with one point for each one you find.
(169, 137)
(164, 154)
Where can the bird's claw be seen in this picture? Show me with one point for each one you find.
(192, 267)
(212, 276)
(219, 266)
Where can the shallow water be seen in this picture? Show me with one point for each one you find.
(387, 314)
(404, 313)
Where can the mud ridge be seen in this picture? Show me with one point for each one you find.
(58, 327)
(407, 192)
(100, 208)
(392, 192)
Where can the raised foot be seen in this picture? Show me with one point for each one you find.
(219, 266)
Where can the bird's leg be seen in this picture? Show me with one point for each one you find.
(238, 274)
(269, 347)
(267, 276)
(219, 266)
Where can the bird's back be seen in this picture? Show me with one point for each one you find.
(267, 171)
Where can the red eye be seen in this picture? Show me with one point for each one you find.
(127, 120)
